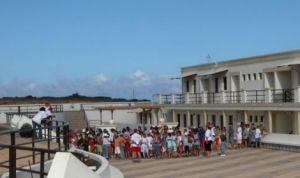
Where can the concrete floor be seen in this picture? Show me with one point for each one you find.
(252, 163)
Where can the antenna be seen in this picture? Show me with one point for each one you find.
(208, 57)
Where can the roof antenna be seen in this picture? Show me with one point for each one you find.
(208, 57)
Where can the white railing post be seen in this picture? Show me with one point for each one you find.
(160, 99)
(173, 100)
(297, 95)
(187, 98)
(223, 97)
(268, 95)
(204, 97)
(244, 96)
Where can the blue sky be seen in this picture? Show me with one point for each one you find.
(110, 47)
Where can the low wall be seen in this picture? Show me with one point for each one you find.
(104, 171)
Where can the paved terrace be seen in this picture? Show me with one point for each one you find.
(246, 163)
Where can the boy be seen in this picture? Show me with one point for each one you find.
(223, 143)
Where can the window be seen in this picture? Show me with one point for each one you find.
(256, 119)
(254, 76)
(195, 86)
(198, 120)
(187, 86)
(230, 119)
(217, 85)
(251, 119)
(213, 118)
(244, 77)
(141, 118)
(225, 83)
(178, 119)
(222, 121)
(192, 120)
(150, 118)
(260, 76)
(261, 118)
(249, 77)
(184, 120)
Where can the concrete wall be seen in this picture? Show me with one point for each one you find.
(282, 122)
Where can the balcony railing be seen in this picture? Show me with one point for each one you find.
(232, 97)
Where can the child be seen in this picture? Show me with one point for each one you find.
(223, 143)
(117, 142)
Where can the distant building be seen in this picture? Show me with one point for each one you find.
(264, 90)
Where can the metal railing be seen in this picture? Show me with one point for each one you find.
(232, 97)
(61, 129)
(283, 95)
(255, 96)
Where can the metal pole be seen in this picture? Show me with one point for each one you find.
(42, 164)
(12, 156)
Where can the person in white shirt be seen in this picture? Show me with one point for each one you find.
(257, 137)
(208, 140)
(106, 143)
(37, 121)
(239, 135)
(135, 144)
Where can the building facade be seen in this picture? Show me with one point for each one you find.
(264, 90)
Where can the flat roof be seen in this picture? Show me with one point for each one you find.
(130, 107)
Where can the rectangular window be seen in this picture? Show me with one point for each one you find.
(150, 118)
(141, 118)
(192, 120)
(225, 83)
(262, 119)
(213, 119)
(184, 120)
(198, 120)
(187, 86)
(249, 77)
(244, 77)
(256, 119)
(260, 76)
(178, 119)
(217, 85)
(251, 119)
(222, 121)
(230, 119)
(254, 76)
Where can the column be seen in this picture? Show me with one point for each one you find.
(173, 101)
(296, 123)
(188, 118)
(160, 99)
(204, 97)
(205, 118)
(246, 121)
(187, 98)
(244, 96)
(174, 115)
(269, 122)
(297, 95)
(268, 95)
(223, 97)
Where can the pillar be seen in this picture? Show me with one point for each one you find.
(173, 101)
(187, 98)
(268, 95)
(205, 118)
(269, 125)
(246, 121)
(296, 123)
(188, 118)
(174, 115)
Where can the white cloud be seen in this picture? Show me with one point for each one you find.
(101, 78)
(143, 84)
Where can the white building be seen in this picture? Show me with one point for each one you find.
(264, 90)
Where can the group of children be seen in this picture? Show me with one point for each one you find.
(161, 142)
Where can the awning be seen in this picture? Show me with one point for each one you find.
(290, 63)
(213, 71)
(185, 75)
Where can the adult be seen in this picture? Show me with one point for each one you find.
(106, 143)
(39, 119)
(239, 135)
(135, 144)
(257, 137)
(208, 141)
(231, 135)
